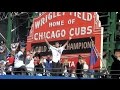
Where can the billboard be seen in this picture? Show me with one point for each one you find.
(59, 26)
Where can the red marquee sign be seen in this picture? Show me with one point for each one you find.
(59, 26)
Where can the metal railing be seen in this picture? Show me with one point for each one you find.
(86, 73)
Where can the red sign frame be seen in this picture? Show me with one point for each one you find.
(62, 25)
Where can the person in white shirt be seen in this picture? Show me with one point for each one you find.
(56, 55)
(29, 63)
(2, 67)
(19, 65)
(85, 68)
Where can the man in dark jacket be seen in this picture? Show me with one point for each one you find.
(115, 68)
(79, 67)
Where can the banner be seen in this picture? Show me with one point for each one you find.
(59, 26)
(81, 45)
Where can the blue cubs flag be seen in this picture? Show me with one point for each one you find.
(93, 57)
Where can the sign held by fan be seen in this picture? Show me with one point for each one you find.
(14, 46)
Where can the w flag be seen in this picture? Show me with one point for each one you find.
(93, 57)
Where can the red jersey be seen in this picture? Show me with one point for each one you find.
(10, 60)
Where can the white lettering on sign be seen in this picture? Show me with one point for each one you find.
(37, 24)
(71, 33)
(80, 31)
(86, 16)
(89, 16)
(35, 36)
(83, 30)
(89, 30)
(71, 21)
(63, 33)
(57, 23)
(78, 45)
(41, 35)
(50, 34)
(48, 17)
(71, 63)
(53, 34)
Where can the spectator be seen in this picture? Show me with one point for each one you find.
(66, 68)
(85, 67)
(30, 63)
(10, 64)
(48, 65)
(38, 53)
(2, 67)
(116, 65)
(39, 66)
(36, 60)
(19, 66)
(2, 52)
(56, 54)
(104, 67)
(73, 74)
(61, 68)
(72, 71)
(79, 67)
(10, 59)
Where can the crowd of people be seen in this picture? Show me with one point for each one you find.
(21, 62)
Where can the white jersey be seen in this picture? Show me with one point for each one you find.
(18, 63)
(85, 67)
(56, 53)
(30, 66)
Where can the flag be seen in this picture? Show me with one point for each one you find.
(93, 57)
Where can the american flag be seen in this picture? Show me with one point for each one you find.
(93, 57)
